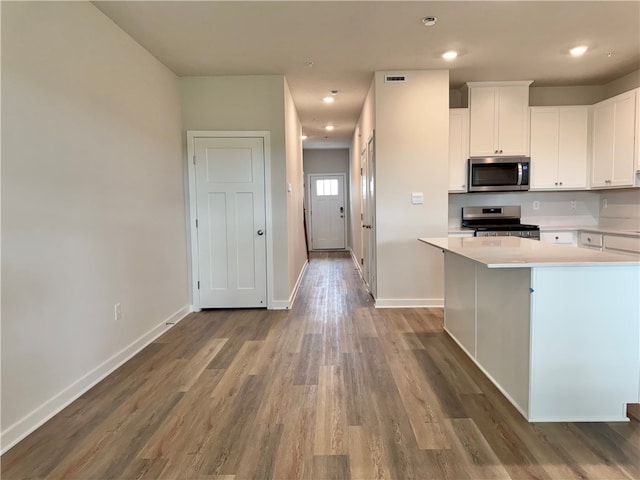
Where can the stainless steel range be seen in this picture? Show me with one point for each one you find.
(498, 222)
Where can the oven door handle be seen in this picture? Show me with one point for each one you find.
(519, 174)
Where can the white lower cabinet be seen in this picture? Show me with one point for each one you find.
(537, 334)
(560, 237)
(623, 244)
(591, 240)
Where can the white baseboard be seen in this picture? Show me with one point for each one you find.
(287, 304)
(409, 303)
(279, 305)
(36, 418)
(296, 287)
(356, 261)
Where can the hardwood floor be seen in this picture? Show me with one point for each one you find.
(333, 389)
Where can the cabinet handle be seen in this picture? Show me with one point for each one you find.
(560, 183)
(557, 238)
(556, 184)
(589, 239)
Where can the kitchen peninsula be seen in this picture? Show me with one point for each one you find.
(555, 328)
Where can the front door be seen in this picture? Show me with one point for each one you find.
(328, 223)
(230, 210)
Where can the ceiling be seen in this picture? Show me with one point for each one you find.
(346, 41)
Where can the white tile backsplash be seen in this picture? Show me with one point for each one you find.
(622, 209)
(554, 207)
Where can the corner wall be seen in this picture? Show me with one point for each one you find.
(92, 205)
(297, 250)
(412, 132)
(248, 103)
(363, 132)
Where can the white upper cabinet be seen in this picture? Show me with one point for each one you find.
(559, 140)
(613, 147)
(458, 149)
(498, 118)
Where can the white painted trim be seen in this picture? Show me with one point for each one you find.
(294, 293)
(193, 237)
(357, 262)
(409, 303)
(36, 418)
(279, 305)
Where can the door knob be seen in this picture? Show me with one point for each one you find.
(260, 232)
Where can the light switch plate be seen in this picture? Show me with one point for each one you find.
(417, 198)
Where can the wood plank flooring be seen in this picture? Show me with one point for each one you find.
(333, 389)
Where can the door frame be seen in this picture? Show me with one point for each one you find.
(192, 234)
(368, 207)
(310, 200)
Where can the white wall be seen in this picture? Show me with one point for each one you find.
(622, 84)
(92, 205)
(326, 160)
(297, 249)
(362, 134)
(573, 95)
(251, 103)
(412, 131)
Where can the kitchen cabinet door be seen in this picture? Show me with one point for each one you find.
(545, 131)
(613, 137)
(498, 118)
(482, 121)
(560, 237)
(513, 121)
(573, 139)
(559, 148)
(458, 149)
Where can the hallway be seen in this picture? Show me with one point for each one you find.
(332, 389)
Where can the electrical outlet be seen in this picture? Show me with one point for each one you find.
(536, 205)
(604, 203)
(573, 204)
(117, 311)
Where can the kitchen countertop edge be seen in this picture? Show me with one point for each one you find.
(513, 252)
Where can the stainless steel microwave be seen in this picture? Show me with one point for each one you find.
(498, 174)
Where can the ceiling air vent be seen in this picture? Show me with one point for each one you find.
(395, 78)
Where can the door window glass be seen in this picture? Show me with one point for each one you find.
(327, 187)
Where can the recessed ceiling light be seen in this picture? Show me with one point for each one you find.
(329, 128)
(429, 21)
(577, 51)
(303, 137)
(328, 99)
(450, 55)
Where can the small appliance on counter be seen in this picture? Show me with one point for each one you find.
(498, 222)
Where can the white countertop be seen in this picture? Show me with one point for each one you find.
(514, 252)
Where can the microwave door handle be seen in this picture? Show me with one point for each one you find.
(519, 174)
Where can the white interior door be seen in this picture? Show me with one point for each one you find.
(369, 218)
(328, 212)
(364, 219)
(230, 198)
